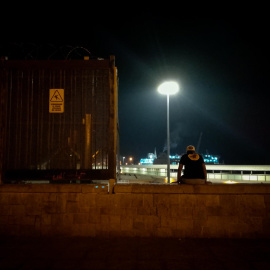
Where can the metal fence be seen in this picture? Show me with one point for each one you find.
(58, 119)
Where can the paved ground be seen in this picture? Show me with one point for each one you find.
(133, 253)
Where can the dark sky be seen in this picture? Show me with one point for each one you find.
(220, 64)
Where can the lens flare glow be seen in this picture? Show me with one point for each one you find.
(168, 88)
(230, 182)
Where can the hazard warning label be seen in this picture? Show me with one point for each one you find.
(56, 101)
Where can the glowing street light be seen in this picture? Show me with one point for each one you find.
(168, 88)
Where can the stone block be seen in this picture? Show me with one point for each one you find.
(180, 211)
(49, 207)
(85, 230)
(208, 199)
(168, 222)
(126, 223)
(21, 220)
(72, 207)
(33, 209)
(49, 197)
(213, 210)
(5, 210)
(163, 199)
(199, 213)
(164, 232)
(18, 210)
(73, 197)
(80, 218)
(31, 198)
(4, 198)
(138, 225)
(146, 211)
(151, 222)
(148, 200)
(60, 220)
(102, 200)
(187, 199)
(94, 215)
(14, 198)
(61, 203)
(87, 199)
(251, 201)
(46, 219)
(128, 211)
(122, 188)
(137, 200)
(115, 222)
(124, 200)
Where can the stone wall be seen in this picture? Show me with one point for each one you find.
(134, 210)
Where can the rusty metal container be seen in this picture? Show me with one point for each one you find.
(58, 119)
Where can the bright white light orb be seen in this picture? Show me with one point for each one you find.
(168, 88)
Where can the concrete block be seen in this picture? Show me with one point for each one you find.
(122, 188)
(251, 201)
(85, 230)
(46, 219)
(199, 213)
(168, 222)
(23, 220)
(151, 222)
(61, 220)
(5, 210)
(180, 211)
(124, 200)
(102, 200)
(213, 210)
(128, 211)
(146, 211)
(126, 223)
(148, 200)
(33, 209)
(165, 199)
(87, 199)
(94, 215)
(208, 200)
(72, 207)
(73, 197)
(80, 218)
(18, 210)
(138, 225)
(115, 222)
(137, 200)
(31, 198)
(50, 197)
(164, 232)
(187, 199)
(61, 203)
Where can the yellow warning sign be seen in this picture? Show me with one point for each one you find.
(56, 101)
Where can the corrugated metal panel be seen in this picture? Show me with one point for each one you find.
(41, 144)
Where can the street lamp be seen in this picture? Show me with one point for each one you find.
(168, 88)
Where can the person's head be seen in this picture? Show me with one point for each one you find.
(190, 149)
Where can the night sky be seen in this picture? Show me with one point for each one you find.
(220, 64)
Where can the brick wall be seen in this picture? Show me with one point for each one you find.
(193, 211)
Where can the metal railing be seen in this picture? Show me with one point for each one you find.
(260, 173)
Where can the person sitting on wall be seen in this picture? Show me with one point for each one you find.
(195, 170)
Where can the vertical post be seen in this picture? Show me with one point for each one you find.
(168, 139)
(87, 153)
(112, 135)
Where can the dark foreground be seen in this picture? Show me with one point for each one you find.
(133, 253)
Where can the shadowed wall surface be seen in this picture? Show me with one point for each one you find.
(136, 210)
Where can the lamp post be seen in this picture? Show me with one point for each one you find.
(168, 88)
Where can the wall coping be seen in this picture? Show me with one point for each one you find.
(138, 188)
